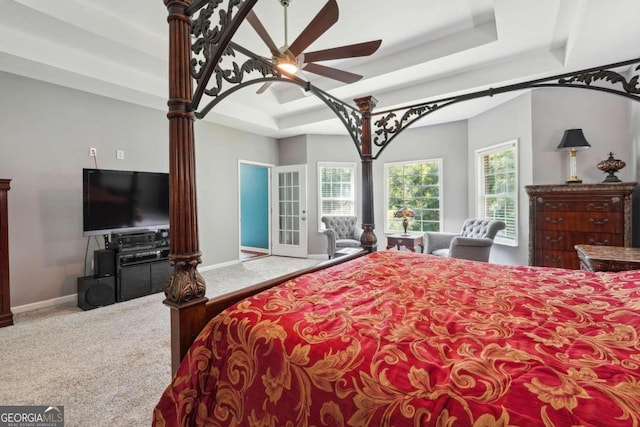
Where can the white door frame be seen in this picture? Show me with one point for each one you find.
(289, 222)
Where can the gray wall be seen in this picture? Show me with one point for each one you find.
(218, 152)
(293, 151)
(46, 132)
(605, 120)
(511, 120)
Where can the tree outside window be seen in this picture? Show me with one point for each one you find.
(417, 186)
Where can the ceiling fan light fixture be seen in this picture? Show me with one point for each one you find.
(287, 65)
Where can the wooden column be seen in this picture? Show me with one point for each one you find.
(6, 316)
(368, 240)
(186, 289)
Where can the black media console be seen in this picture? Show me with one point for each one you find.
(136, 263)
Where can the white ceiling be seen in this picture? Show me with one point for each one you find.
(430, 49)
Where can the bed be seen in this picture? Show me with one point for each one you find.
(559, 347)
(398, 338)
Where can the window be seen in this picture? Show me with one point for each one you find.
(336, 190)
(418, 186)
(497, 194)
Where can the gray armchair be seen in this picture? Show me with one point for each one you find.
(341, 232)
(473, 242)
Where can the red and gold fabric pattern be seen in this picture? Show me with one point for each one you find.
(404, 339)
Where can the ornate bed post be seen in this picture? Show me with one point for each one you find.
(368, 240)
(186, 289)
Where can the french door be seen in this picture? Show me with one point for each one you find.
(289, 211)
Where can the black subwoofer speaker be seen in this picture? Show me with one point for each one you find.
(94, 292)
(104, 262)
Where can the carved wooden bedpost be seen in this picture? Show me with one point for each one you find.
(186, 289)
(368, 240)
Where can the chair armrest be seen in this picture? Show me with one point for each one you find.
(437, 240)
(471, 248)
(331, 242)
(471, 241)
(358, 234)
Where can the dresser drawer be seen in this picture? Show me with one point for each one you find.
(557, 259)
(583, 221)
(566, 240)
(608, 204)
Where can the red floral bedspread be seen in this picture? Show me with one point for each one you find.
(404, 339)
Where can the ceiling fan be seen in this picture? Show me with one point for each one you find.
(290, 59)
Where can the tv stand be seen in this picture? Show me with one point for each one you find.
(141, 271)
(136, 263)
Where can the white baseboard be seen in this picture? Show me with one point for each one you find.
(216, 266)
(43, 304)
(74, 297)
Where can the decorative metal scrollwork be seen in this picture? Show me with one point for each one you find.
(388, 125)
(211, 39)
(236, 75)
(590, 77)
(350, 117)
(206, 38)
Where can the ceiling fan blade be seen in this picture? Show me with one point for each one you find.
(262, 32)
(327, 16)
(332, 73)
(350, 51)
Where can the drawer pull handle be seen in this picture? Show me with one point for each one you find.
(597, 222)
(593, 242)
(554, 259)
(598, 207)
(554, 221)
(552, 240)
(556, 206)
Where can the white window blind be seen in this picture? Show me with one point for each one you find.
(497, 194)
(336, 189)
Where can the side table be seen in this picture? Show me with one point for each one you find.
(409, 240)
(608, 258)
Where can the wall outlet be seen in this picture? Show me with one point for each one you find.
(93, 152)
(120, 154)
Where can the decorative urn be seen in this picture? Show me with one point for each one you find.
(611, 166)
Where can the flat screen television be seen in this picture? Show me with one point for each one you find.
(117, 201)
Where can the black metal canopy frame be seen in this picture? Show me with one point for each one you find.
(201, 52)
(221, 57)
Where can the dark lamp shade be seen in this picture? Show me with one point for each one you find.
(573, 139)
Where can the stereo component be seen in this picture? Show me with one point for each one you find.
(94, 292)
(104, 263)
(134, 239)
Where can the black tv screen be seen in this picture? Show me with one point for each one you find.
(120, 201)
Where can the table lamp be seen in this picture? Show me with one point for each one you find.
(406, 214)
(572, 141)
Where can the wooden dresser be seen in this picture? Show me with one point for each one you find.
(562, 216)
(6, 317)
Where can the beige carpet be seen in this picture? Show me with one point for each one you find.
(108, 366)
